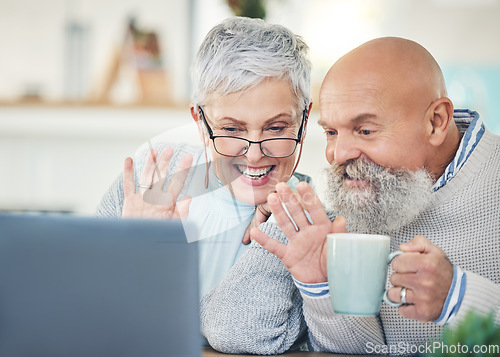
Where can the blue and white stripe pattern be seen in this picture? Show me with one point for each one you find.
(454, 298)
(314, 290)
(472, 128)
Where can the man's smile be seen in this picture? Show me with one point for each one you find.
(355, 182)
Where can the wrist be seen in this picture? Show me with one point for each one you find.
(309, 278)
(454, 297)
(312, 290)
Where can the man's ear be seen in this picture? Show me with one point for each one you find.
(439, 115)
(195, 114)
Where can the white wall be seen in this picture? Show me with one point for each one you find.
(64, 158)
(32, 40)
(32, 33)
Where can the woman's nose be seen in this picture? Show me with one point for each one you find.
(254, 153)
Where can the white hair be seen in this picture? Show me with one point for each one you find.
(240, 52)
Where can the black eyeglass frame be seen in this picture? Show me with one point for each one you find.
(213, 137)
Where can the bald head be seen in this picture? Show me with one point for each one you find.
(400, 66)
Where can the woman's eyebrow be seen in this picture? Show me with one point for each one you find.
(285, 116)
(232, 120)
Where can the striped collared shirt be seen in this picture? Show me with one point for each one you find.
(472, 128)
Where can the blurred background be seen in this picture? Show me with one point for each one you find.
(83, 83)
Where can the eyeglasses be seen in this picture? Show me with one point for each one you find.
(233, 146)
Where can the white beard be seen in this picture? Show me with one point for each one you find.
(391, 200)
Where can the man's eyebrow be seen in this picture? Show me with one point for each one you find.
(362, 117)
(357, 119)
(322, 123)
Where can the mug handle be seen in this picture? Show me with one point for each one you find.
(385, 297)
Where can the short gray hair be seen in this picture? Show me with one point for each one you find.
(240, 52)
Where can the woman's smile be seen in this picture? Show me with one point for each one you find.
(255, 176)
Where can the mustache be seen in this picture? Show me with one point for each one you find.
(367, 170)
(359, 169)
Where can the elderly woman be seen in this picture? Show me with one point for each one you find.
(251, 103)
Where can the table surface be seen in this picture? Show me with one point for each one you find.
(209, 352)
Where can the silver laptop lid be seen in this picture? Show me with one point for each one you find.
(73, 286)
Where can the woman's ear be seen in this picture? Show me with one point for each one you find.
(439, 115)
(309, 108)
(195, 114)
(304, 129)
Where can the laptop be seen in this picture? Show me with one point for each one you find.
(74, 286)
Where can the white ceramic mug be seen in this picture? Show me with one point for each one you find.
(357, 272)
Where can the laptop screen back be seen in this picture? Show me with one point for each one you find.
(73, 286)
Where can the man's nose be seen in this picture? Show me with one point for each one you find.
(342, 150)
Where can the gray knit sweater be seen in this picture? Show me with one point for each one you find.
(256, 308)
(232, 317)
(258, 304)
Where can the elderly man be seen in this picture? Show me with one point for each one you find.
(403, 163)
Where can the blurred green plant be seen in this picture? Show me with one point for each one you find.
(476, 335)
(248, 8)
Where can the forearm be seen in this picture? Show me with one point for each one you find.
(256, 309)
(339, 333)
(112, 202)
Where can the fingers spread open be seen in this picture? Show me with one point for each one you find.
(312, 203)
(147, 174)
(179, 177)
(163, 164)
(282, 218)
(291, 200)
(128, 177)
(268, 243)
